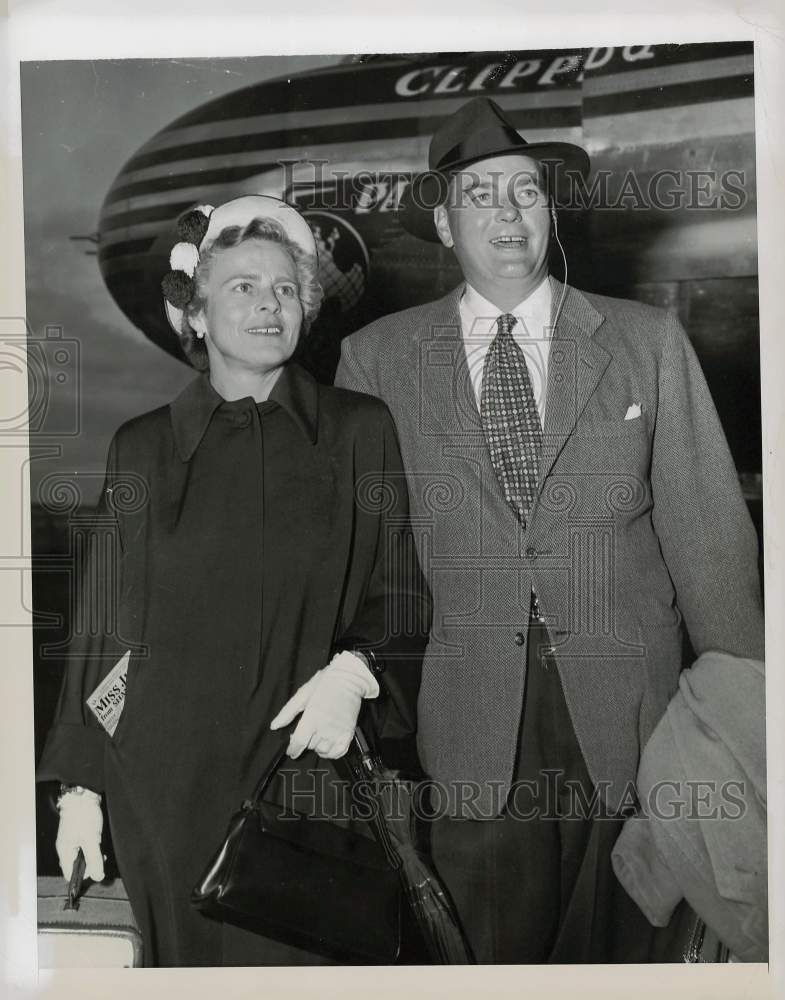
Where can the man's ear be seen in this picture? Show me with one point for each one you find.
(442, 222)
(552, 211)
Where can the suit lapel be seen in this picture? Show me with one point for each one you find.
(449, 415)
(575, 366)
(445, 386)
(448, 405)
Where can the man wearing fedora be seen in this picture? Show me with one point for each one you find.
(576, 507)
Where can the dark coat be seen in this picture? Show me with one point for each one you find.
(253, 542)
(639, 528)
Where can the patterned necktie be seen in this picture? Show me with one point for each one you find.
(510, 419)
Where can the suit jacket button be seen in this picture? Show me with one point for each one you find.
(531, 553)
(520, 638)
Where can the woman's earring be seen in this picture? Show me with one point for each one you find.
(200, 334)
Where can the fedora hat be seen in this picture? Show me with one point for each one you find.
(477, 131)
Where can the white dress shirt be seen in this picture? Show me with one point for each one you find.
(532, 333)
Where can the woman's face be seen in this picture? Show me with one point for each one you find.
(252, 313)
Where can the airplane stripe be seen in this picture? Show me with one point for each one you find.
(124, 249)
(666, 76)
(201, 179)
(673, 55)
(642, 128)
(554, 117)
(196, 173)
(325, 89)
(606, 81)
(139, 227)
(282, 121)
(131, 270)
(194, 195)
(135, 217)
(352, 157)
(407, 154)
(338, 86)
(637, 128)
(706, 91)
(664, 252)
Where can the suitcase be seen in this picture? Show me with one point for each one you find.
(704, 946)
(100, 934)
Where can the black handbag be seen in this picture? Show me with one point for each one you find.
(307, 882)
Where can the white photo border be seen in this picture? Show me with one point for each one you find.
(88, 29)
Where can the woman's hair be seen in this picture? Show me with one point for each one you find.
(306, 265)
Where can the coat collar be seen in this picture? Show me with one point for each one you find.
(295, 391)
(577, 316)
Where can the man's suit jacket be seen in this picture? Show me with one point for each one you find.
(639, 527)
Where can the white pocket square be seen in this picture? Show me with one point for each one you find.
(633, 411)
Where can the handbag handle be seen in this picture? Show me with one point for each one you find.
(269, 773)
(355, 769)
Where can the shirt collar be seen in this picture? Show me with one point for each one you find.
(295, 391)
(534, 310)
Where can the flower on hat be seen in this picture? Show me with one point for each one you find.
(178, 284)
(184, 257)
(178, 288)
(193, 225)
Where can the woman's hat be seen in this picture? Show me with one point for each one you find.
(476, 131)
(200, 227)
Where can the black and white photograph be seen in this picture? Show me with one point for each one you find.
(396, 505)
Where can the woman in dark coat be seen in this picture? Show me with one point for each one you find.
(253, 556)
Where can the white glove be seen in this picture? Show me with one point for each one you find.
(81, 823)
(330, 702)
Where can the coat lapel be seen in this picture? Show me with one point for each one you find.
(575, 367)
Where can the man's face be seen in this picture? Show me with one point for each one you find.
(497, 220)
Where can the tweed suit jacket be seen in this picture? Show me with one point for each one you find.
(639, 529)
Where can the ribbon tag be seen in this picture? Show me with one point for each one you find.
(106, 702)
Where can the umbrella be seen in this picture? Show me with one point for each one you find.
(431, 906)
(75, 882)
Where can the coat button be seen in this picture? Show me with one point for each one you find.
(242, 419)
(531, 553)
(520, 638)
